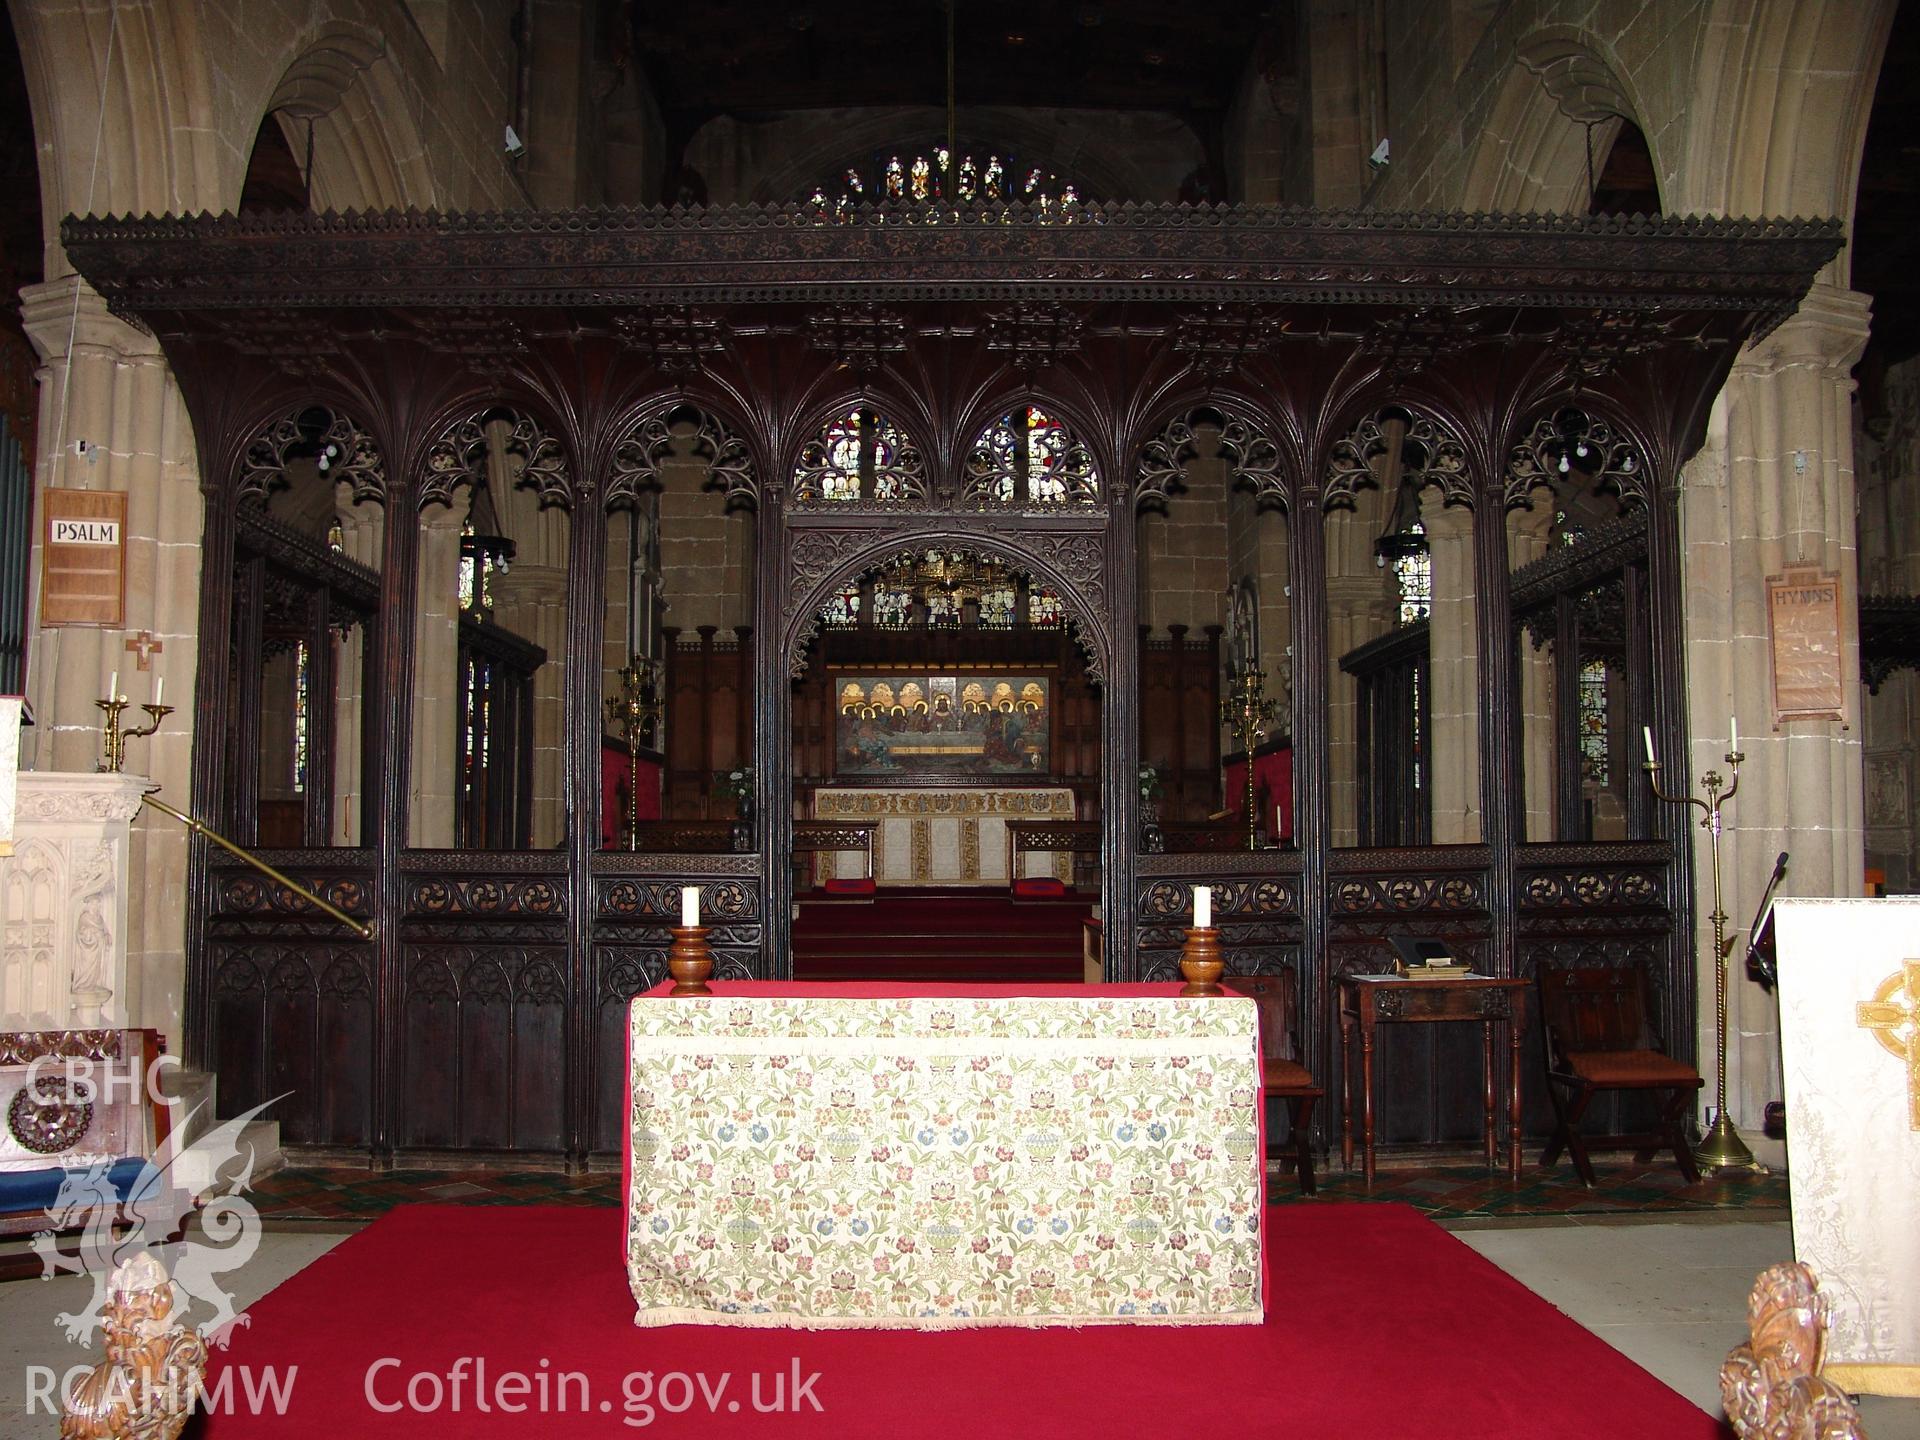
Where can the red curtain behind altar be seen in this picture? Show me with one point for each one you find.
(615, 775)
(1272, 788)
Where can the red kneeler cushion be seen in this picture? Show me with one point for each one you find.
(1038, 887)
(852, 885)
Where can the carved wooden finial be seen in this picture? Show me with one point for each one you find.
(144, 1389)
(1772, 1387)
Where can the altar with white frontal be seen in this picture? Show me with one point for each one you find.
(943, 836)
(1849, 974)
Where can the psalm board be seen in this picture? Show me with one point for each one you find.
(907, 726)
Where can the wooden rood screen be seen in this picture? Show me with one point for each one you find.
(486, 1013)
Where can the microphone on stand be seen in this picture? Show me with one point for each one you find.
(1760, 957)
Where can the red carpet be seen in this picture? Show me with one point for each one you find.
(967, 934)
(1382, 1325)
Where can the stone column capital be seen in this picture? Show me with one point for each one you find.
(1828, 331)
(47, 314)
(1442, 521)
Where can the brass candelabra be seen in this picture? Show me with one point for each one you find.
(1721, 1148)
(631, 713)
(1248, 715)
(115, 739)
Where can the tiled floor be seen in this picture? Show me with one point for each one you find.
(1442, 1191)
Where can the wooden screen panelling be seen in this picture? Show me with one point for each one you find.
(292, 998)
(636, 899)
(1180, 718)
(709, 707)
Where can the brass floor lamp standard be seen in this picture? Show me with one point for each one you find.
(1721, 1148)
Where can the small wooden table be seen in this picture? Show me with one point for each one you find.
(1369, 1000)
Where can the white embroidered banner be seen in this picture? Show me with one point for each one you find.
(928, 1163)
(1850, 1052)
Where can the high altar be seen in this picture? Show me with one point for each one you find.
(954, 836)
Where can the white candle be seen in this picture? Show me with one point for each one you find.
(113, 686)
(159, 689)
(689, 906)
(1646, 738)
(1203, 907)
(1733, 735)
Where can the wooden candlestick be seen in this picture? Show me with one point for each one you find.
(1202, 963)
(689, 960)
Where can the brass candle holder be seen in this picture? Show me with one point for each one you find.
(114, 739)
(689, 960)
(1721, 1148)
(1248, 715)
(632, 713)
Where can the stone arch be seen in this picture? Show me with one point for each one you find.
(158, 137)
(1532, 152)
(368, 153)
(1779, 107)
(1072, 563)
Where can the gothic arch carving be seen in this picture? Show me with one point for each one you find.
(1570, 441)
(332, 439)
(650, 441)
(1072, 562)
(1430, 455)
(992, 475)
(1252, 454)
(459, 457)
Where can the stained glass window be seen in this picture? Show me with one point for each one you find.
(890, 606)
(469, 572)
(996, 607)
(1593, 722)
(860, 454)
(843, 610)
(1029, 457)
(1044, 610)
(302, 717)
(921, 177)
(1413, 574)
(943, 609)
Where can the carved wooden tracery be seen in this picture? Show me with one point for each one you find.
(1429, 455)
(1572, 446)
(655, 439)
(459, 457)
(313, 433)
(1253, 459)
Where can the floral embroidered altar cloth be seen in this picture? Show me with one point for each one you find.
(924, 1159)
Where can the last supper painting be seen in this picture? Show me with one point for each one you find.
(952, 727)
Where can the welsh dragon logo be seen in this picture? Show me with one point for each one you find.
(151, 1219)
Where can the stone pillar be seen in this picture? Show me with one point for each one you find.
(1529, 532)
(121, 400)
(362, 528)
(1453, 675)
(436, 673)
(532, 602)
(1774, 486)
(64, 909)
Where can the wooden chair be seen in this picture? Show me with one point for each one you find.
(1600, 1038)
(1284, 1077)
